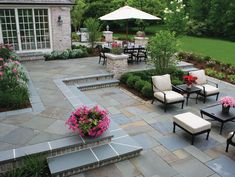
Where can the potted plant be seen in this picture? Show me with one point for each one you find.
(226, 103)
(91, 122)
(140, 34)
(116, 48)
(190, 80)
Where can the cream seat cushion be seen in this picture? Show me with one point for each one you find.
(230, 134)
(209, 89)
(171, 96)
(163, 82)
(192, 122)
(201, 76)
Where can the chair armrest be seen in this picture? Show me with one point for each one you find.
(212, 83)
(232, 135)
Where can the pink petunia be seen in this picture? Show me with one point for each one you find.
(14, 70)
(1, 73)
(1, 59)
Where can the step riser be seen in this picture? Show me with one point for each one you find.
(98, 86)
(16, 163)
(97, 165)
(87, 80)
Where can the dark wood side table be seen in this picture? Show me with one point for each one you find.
(215, 112)
(188, 91)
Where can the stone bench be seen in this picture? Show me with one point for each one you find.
(192, 124)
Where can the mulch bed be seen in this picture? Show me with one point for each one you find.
(26, 105)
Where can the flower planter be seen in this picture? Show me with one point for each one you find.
(116, 64)
(225, 110)
(142, 41)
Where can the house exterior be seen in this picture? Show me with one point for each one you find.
(36, 26)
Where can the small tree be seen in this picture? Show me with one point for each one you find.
(162, 47)
(93, 27)
(77, 13)
(175, 17)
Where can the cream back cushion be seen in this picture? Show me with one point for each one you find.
(163, 82)
(201, 76)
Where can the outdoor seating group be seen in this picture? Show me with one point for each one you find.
(166, 93)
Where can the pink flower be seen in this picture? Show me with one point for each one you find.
(227, 101)
(14, 70)
(1, 73)
(5, 65)
(1, 59)
(16, 62)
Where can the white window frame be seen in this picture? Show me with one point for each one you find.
(18, 29)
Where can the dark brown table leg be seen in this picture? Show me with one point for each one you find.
(221, 128)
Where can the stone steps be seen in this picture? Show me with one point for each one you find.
(72, 163)
(97, 84)
(12, 158)
(87, 79)
(186, 67)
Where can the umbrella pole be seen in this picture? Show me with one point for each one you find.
(127, 29)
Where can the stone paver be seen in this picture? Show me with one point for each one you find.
(165, 154)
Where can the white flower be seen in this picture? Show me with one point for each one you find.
(177, 10)
(171, 2)
(180, 1)
(164, 18)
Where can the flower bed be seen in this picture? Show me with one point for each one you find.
(13, 82)
(213, 68)
(139, 82)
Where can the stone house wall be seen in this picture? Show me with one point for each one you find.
(61, 34)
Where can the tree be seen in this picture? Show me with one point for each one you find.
(77, 13)
(93, 27)
(162, 47)
(175, 17)
(229, 21)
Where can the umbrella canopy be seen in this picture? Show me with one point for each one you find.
(128, 12)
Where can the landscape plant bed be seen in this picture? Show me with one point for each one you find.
(213, 68)
(139, 82)
(24, 106)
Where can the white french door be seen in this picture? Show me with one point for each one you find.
(26, 29)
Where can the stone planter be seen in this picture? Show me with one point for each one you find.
(116, 64)
(142, 41)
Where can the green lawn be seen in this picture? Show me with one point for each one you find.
(215, 48)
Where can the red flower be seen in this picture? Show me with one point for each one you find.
(189, 80)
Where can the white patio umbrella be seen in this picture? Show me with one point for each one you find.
(127, 12)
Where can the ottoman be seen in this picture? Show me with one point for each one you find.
(192, 124)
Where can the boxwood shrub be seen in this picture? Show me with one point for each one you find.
(140, 84)
(132, 80)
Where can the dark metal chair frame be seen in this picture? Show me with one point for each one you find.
(141, 53)
(102, 52)
(130, 52)
(165, 102)
(229, 141)
(192, 134)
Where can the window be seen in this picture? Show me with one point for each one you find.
(8, 25)
(26, 29)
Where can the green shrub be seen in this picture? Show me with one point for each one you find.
(220, 75)
(75, 37)
(131, 81)
(210, 72)
(147, 91)
(176, 81)
(231, 78)
(124, 77)
(65, 54)
(140, 84)
(14, 98)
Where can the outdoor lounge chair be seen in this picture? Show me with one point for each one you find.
(202, 83)
(230, 140)
(163, 91)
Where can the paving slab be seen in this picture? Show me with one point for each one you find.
(192, 168)
(223, 165)
(58, 127)
(203, 157)
(145, 141)
(127, 169)
(19, 136)
(150, 164)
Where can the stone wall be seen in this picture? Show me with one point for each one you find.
(61, 34)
